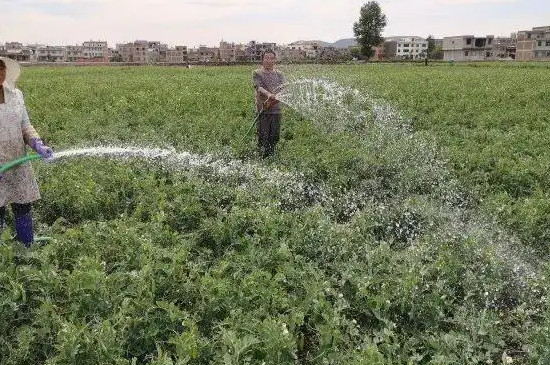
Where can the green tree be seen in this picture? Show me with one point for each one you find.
(369, 27)
(437, 53)
(431, 45)
(434, 52)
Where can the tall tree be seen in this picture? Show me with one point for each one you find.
(369, 27)
(434, 52)
(431, 45)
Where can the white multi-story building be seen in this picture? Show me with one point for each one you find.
(50, 54)
(96, 50)
(406, 47)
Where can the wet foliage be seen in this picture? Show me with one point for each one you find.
(360, 242)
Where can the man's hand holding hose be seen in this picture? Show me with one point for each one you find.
(271, 97)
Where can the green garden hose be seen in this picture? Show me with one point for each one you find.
(18, 161)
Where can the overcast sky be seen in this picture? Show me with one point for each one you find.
(195, 22)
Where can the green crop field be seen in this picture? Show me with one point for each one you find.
(404, 218)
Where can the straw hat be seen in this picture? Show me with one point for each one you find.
(13, 70)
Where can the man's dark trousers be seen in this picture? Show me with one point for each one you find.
(269, 127)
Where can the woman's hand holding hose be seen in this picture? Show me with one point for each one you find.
(40, 148)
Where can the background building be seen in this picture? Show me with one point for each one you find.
(16, 51)
(177, 55)
(228, 52)
(526, 45)
(504, 48)
(73, 53)
(254, 50)
(95, 51)
(405, 47)
(533, 44)
(50, 54)
(291, 53)
(133, 52)
(468, 48)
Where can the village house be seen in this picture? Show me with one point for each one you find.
(534, 44)
(95, 51)
(16, 51)
(178, 55)
(133, 52)
(50, 54)
(291, 53)
(254, 50)
(468, 48)
(405, 47)
(73, 53)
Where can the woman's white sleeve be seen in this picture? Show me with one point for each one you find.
(25, 121)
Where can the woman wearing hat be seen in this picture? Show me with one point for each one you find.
(18, 186)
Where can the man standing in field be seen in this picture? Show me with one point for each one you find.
(268, 82)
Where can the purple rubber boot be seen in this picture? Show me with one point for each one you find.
(2, 215)
(23, 224)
